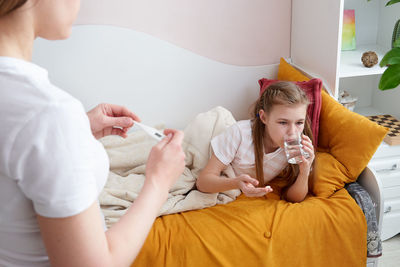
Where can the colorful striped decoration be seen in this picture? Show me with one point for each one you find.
(349, 30)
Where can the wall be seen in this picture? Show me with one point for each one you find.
(132, 55)
(238, 32)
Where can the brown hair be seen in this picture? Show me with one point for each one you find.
(8, 6)
(279, 93)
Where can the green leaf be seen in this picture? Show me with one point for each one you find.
(390, 78)
(394, 60)
(393, 53)
(392, 2)
(397, 43)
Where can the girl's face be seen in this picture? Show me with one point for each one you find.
(284, 120)
(54, 18)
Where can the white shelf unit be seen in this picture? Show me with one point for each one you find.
(351, 65)
(374, 26)
(316, 49)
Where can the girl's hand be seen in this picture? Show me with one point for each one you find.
(305, 166)
(248, 186)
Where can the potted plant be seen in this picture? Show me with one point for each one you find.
(391, 76)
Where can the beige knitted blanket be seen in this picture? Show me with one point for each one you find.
(128, 161)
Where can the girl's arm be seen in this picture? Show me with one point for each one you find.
(211, 181)
(299, 189)
(80, 240)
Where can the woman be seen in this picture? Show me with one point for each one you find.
(51, 166)
(254, 147)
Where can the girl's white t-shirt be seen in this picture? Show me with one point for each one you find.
(235, 146)
(50, 163)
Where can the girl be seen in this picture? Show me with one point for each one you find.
(254, 147)
(52, 168)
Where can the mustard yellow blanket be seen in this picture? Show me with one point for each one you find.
(261, 232)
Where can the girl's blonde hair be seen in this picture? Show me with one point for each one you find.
(279, 93)
(8, 6)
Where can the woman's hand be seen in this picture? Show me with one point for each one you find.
(305, 165)
(107, 119)
(166, 162)
(248, 186)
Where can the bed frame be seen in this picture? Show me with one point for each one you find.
(160, 82)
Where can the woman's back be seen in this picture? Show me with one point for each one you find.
(48, 160)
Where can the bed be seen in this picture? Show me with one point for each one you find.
(170, 86)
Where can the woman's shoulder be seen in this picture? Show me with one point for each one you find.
(32, 106)
(49, 107)
(26, 85)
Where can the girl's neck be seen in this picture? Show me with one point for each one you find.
(16, 37)
(270, 149)
(268, 145)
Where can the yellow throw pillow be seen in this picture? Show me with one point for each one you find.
(346, 142)
(350, 138)
(287, 72)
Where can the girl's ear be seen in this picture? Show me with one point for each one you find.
(263, 116)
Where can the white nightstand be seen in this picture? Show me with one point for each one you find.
(386, 164)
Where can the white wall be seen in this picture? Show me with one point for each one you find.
(160, 82)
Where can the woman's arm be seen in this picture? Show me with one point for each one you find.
(80, 240)
(211, 181)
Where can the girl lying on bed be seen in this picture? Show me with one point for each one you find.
(254, 147)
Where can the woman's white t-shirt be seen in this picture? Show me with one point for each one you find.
(50, 163)
(235, 146)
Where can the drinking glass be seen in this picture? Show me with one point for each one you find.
(294, 148)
